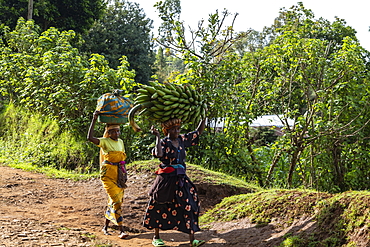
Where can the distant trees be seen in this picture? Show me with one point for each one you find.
(301, 68)
(62, 14)
(167, 65)
(111, 28)
(299, 19)
(124, 30)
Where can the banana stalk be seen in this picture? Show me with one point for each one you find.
(131, 117)
(166, 101)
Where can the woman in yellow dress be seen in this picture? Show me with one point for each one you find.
(112, 172)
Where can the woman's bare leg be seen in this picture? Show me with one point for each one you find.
(191, 238)
(105, 228)
(156, 233)
(122, 233)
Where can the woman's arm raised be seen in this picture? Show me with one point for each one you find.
(158, 148)
(90, 133)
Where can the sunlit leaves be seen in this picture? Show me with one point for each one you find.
(316, 81)
(45, 74)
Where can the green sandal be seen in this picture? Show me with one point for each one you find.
(158, 242)
(197, 243)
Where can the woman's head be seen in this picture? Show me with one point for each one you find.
(171, 126)
(112, 131)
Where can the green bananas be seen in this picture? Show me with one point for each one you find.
(161, 102)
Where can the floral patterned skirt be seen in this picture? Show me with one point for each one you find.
(181, 214)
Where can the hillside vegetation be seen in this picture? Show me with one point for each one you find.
(341, 219)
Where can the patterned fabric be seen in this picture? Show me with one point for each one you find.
(108, 176)
(113, 152)
(113, 108)
(181, 208)
(173, 155)
(181, 214)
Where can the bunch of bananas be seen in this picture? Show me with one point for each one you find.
(161, 102)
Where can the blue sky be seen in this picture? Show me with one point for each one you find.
(255, 14)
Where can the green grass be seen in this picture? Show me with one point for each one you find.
(264, 205)
(336, 216)
(53, 172)
(196, 173)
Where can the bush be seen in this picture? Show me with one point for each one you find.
(37, 139)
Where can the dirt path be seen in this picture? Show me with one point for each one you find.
(39, 211)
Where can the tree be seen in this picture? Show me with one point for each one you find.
(170, 12)
(299, 19)
(312, 71)
(124, 30)
(62, 14)
(250, 43)
(44, 73)
(215, 70)
(319, 81)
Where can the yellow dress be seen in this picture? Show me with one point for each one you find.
(112, 152)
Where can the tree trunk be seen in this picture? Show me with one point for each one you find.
(30, 9)
(273, 165)
(339, 179)
(312, 179)
(293, 164)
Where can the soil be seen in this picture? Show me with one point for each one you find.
(41, 211)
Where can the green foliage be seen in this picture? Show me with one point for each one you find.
(292, 241)
(300, 20)
(220, 152)
(35, 141)
(139, 144)
(63, 15)
(213, 70)
(45, 74)
(300, 78)
(312, 72)
(334, 217)
(167, 66)
(124, 30)
(249, 43)
(264, 136)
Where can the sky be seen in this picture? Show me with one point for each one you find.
(256, 14)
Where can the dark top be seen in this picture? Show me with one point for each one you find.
(169, 178)
(173, 155)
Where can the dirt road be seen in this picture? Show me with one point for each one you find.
(40, 211)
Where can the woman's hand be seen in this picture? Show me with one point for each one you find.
(96, 114)
(154, 131)
(158, 148)
(90, 133)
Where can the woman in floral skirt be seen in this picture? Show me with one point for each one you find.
(174, 203)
